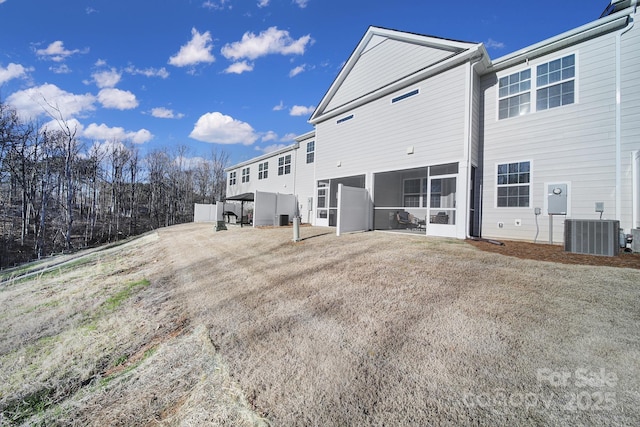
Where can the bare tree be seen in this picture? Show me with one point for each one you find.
(219, 161)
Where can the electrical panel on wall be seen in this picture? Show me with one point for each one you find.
(557, 197)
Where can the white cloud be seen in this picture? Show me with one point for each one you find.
(117, 98)
(165, 113)
(197, 50)
(492, 44)
(301, 3)
(106, 79)
(56, 51)
(279, 107)
(239, 67)
(263, 3)
(269, 136)
(148, 72)
(301, 110)
(271, 148)
(103, 132)
(221, 129)
(54, 126)
(219, 5)
(36, 101)
(271, 41)
(299, 69)
(60, 69)
(289, 137)
(13, 71)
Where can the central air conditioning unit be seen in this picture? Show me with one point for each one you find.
(592, 236)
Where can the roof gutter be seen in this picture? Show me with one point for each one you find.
(264, 156)
(590, 30)
(477, 50)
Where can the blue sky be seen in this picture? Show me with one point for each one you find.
(238, 75)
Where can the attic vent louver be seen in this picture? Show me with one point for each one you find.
(344, 119)
(405, 96)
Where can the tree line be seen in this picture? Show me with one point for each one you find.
(58, 195)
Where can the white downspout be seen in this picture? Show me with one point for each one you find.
(469, 150)
(635, 187)
(619, 110)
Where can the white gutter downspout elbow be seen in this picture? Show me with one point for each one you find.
(619, 110)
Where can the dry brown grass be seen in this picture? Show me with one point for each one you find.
(245, 327)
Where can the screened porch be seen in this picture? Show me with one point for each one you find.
(420, 200)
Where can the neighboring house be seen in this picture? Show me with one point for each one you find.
(286, 171)
(444, 141)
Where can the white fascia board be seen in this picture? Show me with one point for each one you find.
(424, 74)
(263, 157)
(450, 45)
(577, 35)
(308, 135)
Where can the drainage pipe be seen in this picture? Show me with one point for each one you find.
(619, 109)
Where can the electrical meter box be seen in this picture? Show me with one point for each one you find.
(557, 199)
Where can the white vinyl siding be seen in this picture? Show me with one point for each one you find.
(391, 61)
(574, 143)
(432, 123)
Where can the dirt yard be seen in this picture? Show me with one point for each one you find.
(188, 326)
(556, 253)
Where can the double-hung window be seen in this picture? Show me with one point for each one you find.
(514, 94)
(556, 83)
(284, 165)
(514, 184)
(415, 193)
(245, 174)
(263, 170)
(232, 178)
(311, 150)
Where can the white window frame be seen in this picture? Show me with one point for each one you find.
(560, 82)
(263, 170)
(232, 178)
(246, 174)
(311, 151)
(507, 185)
(518, 94)
(422, 194)
(533, 108)
(284, 165)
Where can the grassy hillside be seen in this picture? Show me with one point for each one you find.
(187, 326)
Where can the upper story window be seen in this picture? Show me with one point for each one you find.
(514, 184)
(311, 150)
(514, 94)
(232, 178)
(284, 165)
(263, 170)
(556, 83)
(245, 174)
(554, 87)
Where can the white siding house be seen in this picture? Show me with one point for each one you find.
(445, 141)
(569, 120)
(285, 171)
